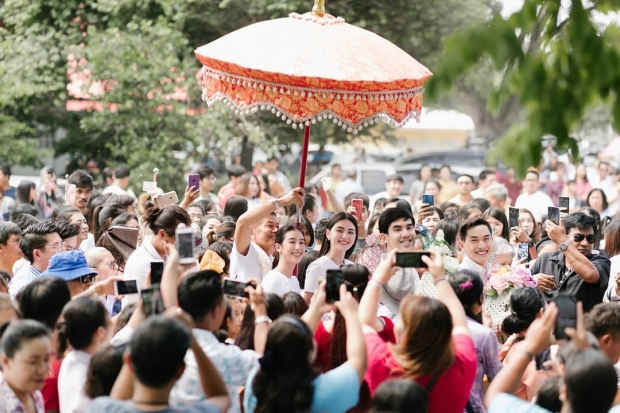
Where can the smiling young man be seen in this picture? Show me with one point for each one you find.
(397, 228)
(574, 269)
(476, 241)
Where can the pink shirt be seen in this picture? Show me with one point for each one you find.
(456, 381)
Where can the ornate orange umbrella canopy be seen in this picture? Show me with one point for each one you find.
(312, 67)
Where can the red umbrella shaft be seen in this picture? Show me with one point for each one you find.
(304, 157)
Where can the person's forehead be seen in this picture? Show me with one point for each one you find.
(478, 231)
(401, 222)
(584, 231)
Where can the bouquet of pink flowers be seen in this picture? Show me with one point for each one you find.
(503, 279)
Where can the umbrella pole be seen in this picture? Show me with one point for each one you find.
(304, 157)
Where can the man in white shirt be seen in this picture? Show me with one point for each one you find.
(485, 180)
(532, 198)
(348, 186)
(272, 167)
(464, 184)
(393, 188)
(120, 183)
(477, 245)
(255, 236)
(207, 183)
(603, 181)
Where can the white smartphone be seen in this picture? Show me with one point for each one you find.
(169, 198)
(327, 183)
(126, 287)
(185, 245)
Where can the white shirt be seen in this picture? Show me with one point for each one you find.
(278, 283)
(138, 266)
(117, 190)
(254, 265)
(71, 381)
(88, 243)
(537, 203)
(346, 187)
(469, 264)
(316, 272)
(456, 200)
(234, 364)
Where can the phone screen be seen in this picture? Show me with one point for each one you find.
(553, 215)
(523, 252)
(185, 244)
(513, 217)
(567, 315)
(235, 288)
(428, 199)
(332, 285)
(411, 259)
(564, 204)
(358, 204)
(126, 287)
(152, 303)
(157, 270)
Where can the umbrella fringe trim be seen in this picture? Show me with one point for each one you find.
(318, 117)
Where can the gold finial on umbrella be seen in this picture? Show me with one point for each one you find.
(319, 8)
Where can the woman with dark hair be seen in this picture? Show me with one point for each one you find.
(236, 206)
(210, 226)
(26, 192)
(126, 201)
(526, 305)
(25, 349)
(306, 229)
(450, 228)
(226, 232)
(208, 206)
(308, 258)
(598, 201)
(294, 304)
(223, 250)
(340, 238)
(49, 193)
(498, 222)
(310, 209)
(400, 396)
(103, 370)
(196, 213)
(265, 189)
(528, 231)
(468, 287)
(163, 224)
(469, 211)
(126, 220)
(85, 327)
(275, 308)
(433, 343)
(290, 247)
(431, 221)
(248, 187)
(286, 381)
(612, 247)
(103, 217)
(75, 216)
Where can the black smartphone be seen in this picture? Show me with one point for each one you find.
(567, 315)
(428, 199)
(236, 288)
(126, 287)
(152, 303)
(332, 285)
(513, 217)
(553, 215)
(564, 204)
(157, 270)
(411, 259)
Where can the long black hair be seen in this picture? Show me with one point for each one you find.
(468, 287)
(525, 304)
(275, 308)
(340, 216)
(284, 381)
(280, 239)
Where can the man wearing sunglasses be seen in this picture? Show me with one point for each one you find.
(574, 269)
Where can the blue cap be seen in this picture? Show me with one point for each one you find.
(68, 266)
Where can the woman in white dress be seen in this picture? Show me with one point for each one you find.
(290, 248)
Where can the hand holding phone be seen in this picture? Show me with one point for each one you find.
(358, 204)
(411, 259)
(152, 302)
(429, 199)
(513, 217)
(326, 182)
(193, 181)
(126, 287)
(185, 245)
(553, 215)
(333, 281)
(236, 288)
(564, 204)
(567, 315)
(157, 270)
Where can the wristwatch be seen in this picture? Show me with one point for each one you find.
(276, 204)
(564, 245)
(262, 319)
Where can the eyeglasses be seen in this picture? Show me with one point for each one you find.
(87, 279)
(113, 265)
(59, 246)
(580, 237)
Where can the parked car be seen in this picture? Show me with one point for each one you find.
(370, 175)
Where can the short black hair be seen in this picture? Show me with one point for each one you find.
(483, 175)
(472, 223)
(121, 171)
(36, 237)
(107, 172)
(395, 177)
(390, 215)
(400, 396)
(357, 195)
(531, 171)
(205, 171)
(580, 221)
(19, 332)
(82, 317)
(153, 337)
(6, 169)
(81, 179)
(65, 229)
(235, 171)
(471, 178)
(23, 221)
(24, 209)
(603, 319)
(43, 300)
(591, 381)
(103, 369)
(6, 230)
(200, 293)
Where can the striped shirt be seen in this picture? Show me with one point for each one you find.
(25, 276)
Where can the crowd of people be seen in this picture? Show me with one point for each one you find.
(470, 328)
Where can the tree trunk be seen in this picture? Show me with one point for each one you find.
(247, 153)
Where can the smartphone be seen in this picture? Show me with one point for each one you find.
(327, 183)
(411, 259)
(169, 198)
(567, 315)
(564, 204)
(236, 288)
(152, 303)
(358, 204)
(523, 252)
(553, 215)
(193, 181)
(70, 190)
(332, 285)
(126, 287)
(428, 199)
(157, 270)
(513, 217)
(185, 245)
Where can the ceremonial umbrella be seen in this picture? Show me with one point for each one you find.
(313, 67)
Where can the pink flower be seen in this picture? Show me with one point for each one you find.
(498, 283)
(514, 278)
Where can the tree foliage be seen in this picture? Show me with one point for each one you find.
(557, 67)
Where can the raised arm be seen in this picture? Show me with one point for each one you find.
(356, 346)
(446, 294)
(243, 233)
(257, 303)
(316, 309)
(574, 259)
(210, 378)
(369, 305)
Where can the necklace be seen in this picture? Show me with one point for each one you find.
(151, 402)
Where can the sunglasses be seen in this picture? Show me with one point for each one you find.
(580, 237)
(87, 279)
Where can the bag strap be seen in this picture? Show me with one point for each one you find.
(432, 382)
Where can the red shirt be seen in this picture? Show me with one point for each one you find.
(323, 340)
(450, 392)
(50, 385)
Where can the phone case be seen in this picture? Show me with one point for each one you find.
(358, 204)
(169, 198)
(193, 181)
